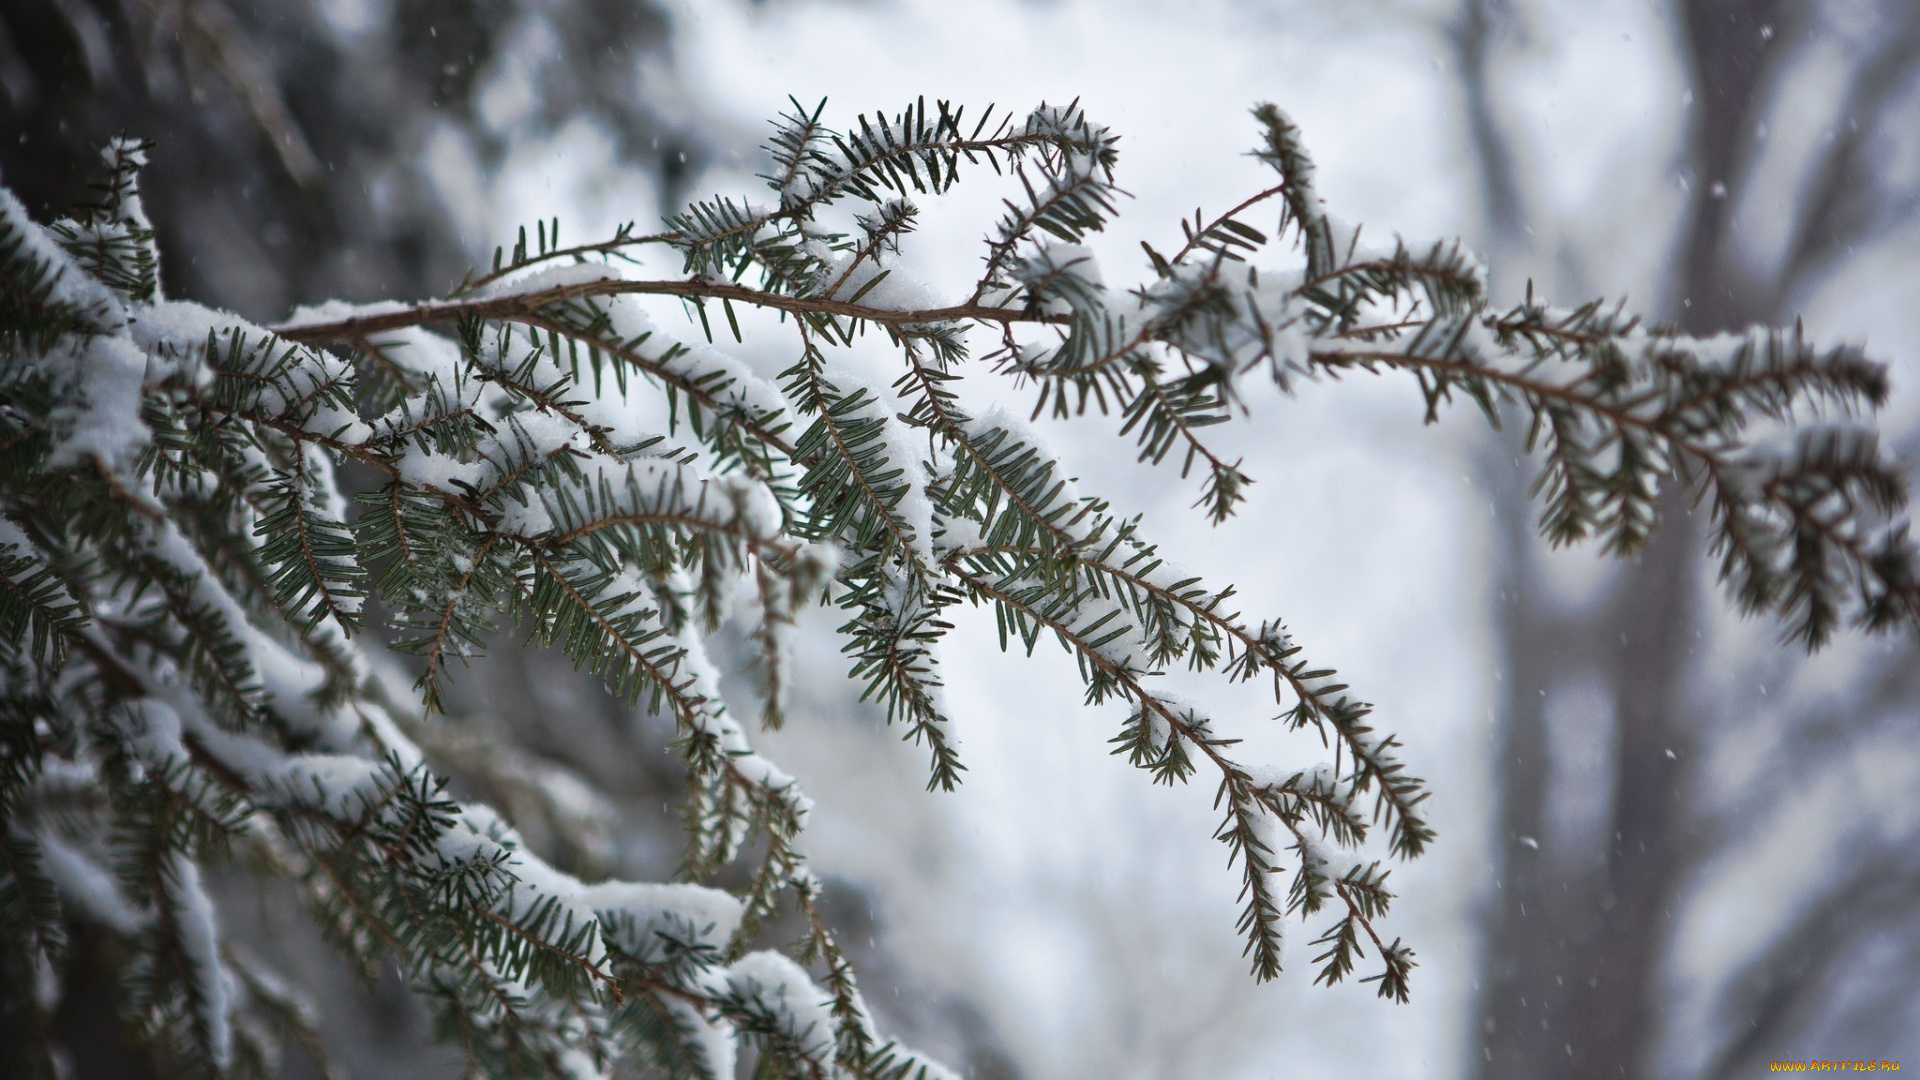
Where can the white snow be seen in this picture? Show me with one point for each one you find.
(100, 413)
(289, 681)
(577, 1064)
(548, 278)
(743, 388)
(88, 887)
(97, 306)
(129, 208)
(479, 836)
(636, 915)
(775, 983)
(711, 1038)
(441, 472)
(152, 731)
(341, 786)
(1065, 276)
(648, 487)
(1265, 324)
(713, 719)
(180, 328)
(334, 311)
(199, 933)
(380, 726)
(899, 290)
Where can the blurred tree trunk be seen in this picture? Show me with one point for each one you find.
(1573, 988)
(1579, 938)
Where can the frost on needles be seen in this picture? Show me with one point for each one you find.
(184, 580)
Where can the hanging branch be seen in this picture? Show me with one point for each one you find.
(182, 580)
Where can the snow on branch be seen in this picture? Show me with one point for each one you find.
(184, 578)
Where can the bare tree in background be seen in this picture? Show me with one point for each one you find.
(1582, 930)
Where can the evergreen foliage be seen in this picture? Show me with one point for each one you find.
(189, 678)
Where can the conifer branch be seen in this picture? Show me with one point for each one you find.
(1261, 918)
(181, 580)
(1220, 234)
(621, 241)
(677, 382)
(525, 307)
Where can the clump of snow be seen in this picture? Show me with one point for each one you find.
(199, 934)
(999, 418)
(180, 327)
(478, 836)
(289, 680)
(1260, 320)
(1061, 279)
(88, 887)
(151, 729)
(336, 311)
(640, 918)
(958, 534)
(127, 206)
(339, 785)
(577, 1064)
(173, 334)
(814, 565)
(898, 290)
(711, 1039)
(1320, 864)
(550, 277)
(649, 487)
(441, 472)
(802, 1011)
(1159, 731)
(754, 506)
(423, 352)
(713, 719)
(379, 724)
(738, 385)
(99, 416)
(96, 306)
(543, 434)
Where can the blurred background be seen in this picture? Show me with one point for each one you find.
(1669, 846)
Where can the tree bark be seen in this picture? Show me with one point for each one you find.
(1578, 940)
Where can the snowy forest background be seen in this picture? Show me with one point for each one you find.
(1634, 787)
